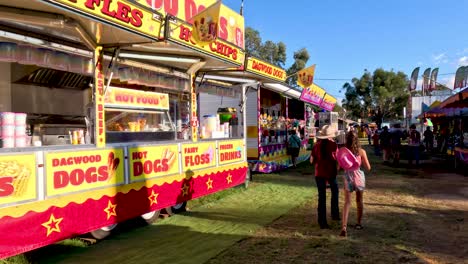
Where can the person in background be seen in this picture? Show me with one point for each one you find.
(375, 142)
(385, 144)
(294, 145)
(396, 135)
(414, 142)
(369, 134)
(350, 158)
(428, 139)
(323, 156)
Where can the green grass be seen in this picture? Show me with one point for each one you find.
(213, 224)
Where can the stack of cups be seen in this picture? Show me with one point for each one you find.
(20, 130)
(7, 127)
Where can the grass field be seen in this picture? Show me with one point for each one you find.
(411, 216)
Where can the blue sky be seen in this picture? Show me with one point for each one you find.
(345, 37)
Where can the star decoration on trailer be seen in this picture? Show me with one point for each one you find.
(209, 184)
(110, 210)
(153, 198)
(53, 225)
(185, 189)
(229, 178)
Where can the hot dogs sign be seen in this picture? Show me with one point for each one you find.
(83, 170)
(150, 162)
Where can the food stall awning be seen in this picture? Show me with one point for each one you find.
(284, 90)
(459, 100)
(143, 39)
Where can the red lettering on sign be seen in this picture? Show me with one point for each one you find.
(230, 155)
(6, 186)
(196, 160)
(223, 32)
(78, 177)
(124, 12)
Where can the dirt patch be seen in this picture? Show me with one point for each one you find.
(421, 219)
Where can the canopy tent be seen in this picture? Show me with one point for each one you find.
(459, 100)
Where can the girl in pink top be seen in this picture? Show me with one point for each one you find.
(354, 180)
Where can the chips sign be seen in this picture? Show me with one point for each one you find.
(83, 170)
(128, 98)
(148, 162)
(182, 33)
(305, 77)
(262, 68)
(121, 13)
(313, 95)
(230, 26)
(17, 178)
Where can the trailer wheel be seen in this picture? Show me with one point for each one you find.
(102, 232)
(151, 217)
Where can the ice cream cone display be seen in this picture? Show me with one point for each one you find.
(19, 174)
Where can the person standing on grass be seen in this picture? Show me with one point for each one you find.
(428, 139)
(324, 157)
(385, 143)
(350, 158)
(294, 145)
(414, 142)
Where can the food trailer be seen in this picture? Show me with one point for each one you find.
(100, 120)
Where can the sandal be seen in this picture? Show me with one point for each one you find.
(358, 227)
(343, 233)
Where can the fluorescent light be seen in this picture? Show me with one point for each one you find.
(157, 57)
(18, 37)
(229, 79)
(283, 89)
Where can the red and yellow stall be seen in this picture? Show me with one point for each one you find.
(99, 115)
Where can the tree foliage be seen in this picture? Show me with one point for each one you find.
(377, 95)
(274, 53)
(301, 57)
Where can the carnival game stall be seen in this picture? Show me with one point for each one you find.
(456, 108)
(99, 115)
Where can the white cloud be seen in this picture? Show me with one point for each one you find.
(463, 61)
(420, 63)
(440, 58)
(447, 81)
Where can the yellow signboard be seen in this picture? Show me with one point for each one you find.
(231, 151)
(83, 170)
(328, 102)
(120, 97)
(122, 13)
(149, 162)
(265, 69)
(305, 77)
(198, 156)
(17, 178)
(230, 27)
(181, 33)
(100, 140)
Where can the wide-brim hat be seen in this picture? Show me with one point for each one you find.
(346, 159)
(327, 132)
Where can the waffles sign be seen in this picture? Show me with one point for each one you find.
(122, 13)
(17, 178)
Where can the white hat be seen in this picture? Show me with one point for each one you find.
(327, 132)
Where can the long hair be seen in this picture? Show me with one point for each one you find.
(352, 142)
